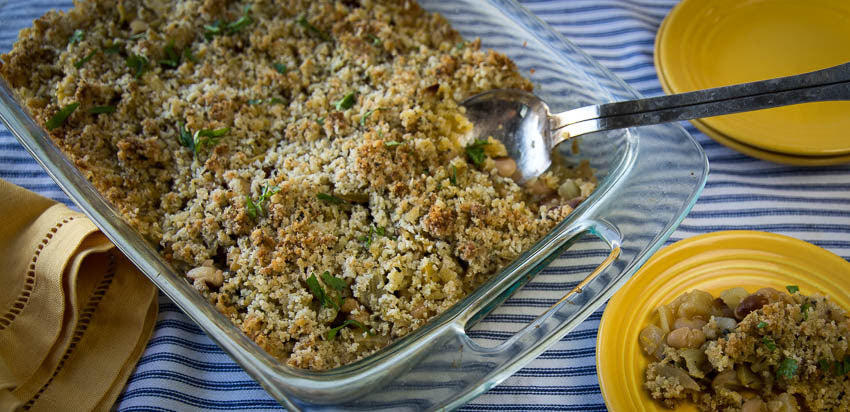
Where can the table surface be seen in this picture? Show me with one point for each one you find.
(182, 369)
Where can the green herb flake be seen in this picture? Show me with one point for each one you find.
(187, 53)
(138, 36)
(317, 291)
(185, 136)
(368, 114)
(842, 368)
(792, 289)
(302, 21)
(333, 281)
(199, 139)
(102, 109)
(255, 208)
(330, 199)
(76, 37)
(275, 100)
(393, 143)
(321, 121)
(240, 24)
(251, 208)
(255, 101)
(333, 332)
(376, 41)
(460, 45)
(761, 324)
(114, 49)
(139, 64)
(453, 177)
(787, 369)
(172, 58)
(280, 67)
(824, 365)
(79, 63)
(212, 30)
(59, 118)
(769, 343)
(804, 309)
(475, 151)
(346, 102)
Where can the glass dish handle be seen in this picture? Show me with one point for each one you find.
(605, 231)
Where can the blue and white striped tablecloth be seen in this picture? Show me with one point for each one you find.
(183, 370)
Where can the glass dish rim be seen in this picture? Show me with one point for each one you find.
(83, 194)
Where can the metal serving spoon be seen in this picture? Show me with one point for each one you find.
(523, 123)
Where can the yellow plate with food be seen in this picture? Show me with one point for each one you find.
(779, 273)
(705, 44)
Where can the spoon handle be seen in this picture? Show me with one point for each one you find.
(822, 85)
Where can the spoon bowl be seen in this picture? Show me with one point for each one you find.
(529, 131)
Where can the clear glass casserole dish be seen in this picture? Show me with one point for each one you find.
(649, 179)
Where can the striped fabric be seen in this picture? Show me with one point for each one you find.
(183, 370)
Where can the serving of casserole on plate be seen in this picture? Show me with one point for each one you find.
(306, 166)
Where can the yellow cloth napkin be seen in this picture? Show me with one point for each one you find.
(75, 314)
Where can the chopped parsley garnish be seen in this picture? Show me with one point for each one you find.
(461, 45)
(255, 101)
(393, 143)
(59, 118)
(203, 137)
(333, 332)
(316, 289)
(787, 369)
(256, 208)
(240, 24)
(376, 41)
(804, 309)
(379, 231)
(330, 199)
(475, 151)
(102, 109)
(761, 324)
(302, 21)
(453, 177)
(842, 368)
(77, 36)
(280, 67)
(325, 299)
(346, 102)
(321, 121)
(139, 64)
(769, 343)
(79, 63)
(333, 281)
(212, 30)
(114, 49)
(824, 365)
(187, 53)
(368, 114)
(792, 289)
(172, 58)
(138, 36)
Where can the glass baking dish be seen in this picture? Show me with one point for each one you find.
(649, 178)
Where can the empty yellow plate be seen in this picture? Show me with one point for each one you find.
(705, 44)
(752, 150)
(712, 262)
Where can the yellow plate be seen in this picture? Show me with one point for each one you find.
(714, 43)
(713, 262)
(751, 150)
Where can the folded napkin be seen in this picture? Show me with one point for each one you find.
(75, 314)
